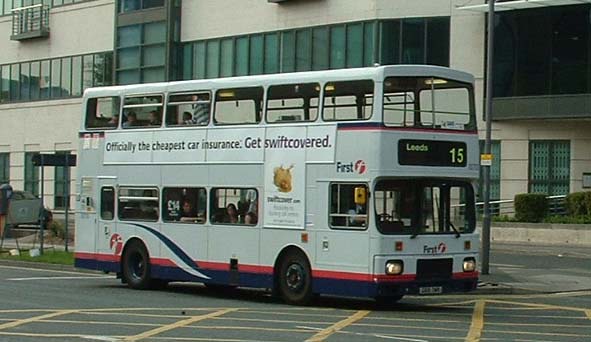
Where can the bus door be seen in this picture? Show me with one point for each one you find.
(108, 242)
(344, 244)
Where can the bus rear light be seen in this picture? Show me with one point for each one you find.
(398, 246)
(467, 245)
(394, 267)
(469, 265)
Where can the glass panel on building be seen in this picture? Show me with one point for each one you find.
(549, 167)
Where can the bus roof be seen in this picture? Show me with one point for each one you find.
(377, 73)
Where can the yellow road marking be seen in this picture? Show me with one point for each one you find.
(588, 313)
(178, 324)
(321, 335)
(269, 320)
(541, 306)
(477, 322)
(35, 319)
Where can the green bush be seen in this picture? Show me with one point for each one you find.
(531, 207)
(581, 219)
(575, 204)
(57, 229)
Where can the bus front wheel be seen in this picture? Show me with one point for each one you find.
(295, 279)
(136, 266)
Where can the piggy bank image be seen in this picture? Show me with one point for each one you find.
(282, 178)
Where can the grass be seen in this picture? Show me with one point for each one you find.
(50, 257)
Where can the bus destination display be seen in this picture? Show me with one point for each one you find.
(432, 153)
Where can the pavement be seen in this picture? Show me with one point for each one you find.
(514, 268)
(536, 268)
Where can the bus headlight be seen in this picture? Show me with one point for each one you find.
(394, 267)
(469, 265)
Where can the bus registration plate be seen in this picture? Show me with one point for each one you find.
(430, 290)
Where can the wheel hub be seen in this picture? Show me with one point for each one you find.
(295, 276)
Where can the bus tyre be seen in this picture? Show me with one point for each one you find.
(295, 279)
(136, 266)
(387, 301)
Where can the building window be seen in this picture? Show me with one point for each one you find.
(549, 167)
(31, 174)
(350, 45)
(55, 78)
(4, 168)
(126, 6)
(495, 172)
(141, 53)
(61, 194)
(542, 52)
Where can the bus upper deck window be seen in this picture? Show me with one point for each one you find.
(142, 111)
(102, 112)
(188, 109)
(348, 100)
(293, 102)
(428, 102)
(236, 106)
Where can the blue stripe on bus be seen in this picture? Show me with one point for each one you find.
(172, 246)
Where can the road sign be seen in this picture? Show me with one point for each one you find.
(486, 159)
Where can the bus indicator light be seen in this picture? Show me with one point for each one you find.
(305, 237)
(467, 245)
(398, 246)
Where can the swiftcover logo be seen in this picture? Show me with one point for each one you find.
(438, 249)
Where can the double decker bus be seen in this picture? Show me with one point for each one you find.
(355, 182)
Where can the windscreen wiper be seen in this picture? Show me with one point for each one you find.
(415, 232)
(455, 229)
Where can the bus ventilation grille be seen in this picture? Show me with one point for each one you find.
(434, 268)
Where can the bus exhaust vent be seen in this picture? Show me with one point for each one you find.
(434, 268)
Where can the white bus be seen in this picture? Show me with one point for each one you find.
(355, 182)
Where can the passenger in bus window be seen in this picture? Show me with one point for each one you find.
(154, 118)
(131, 120)
(250, 218)
(114, 122)
(358, 216)
(231, 214)
(188, 213)
(200, 114)
(186, 119)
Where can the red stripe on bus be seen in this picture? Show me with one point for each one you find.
(83, 134)
(98, 257)
(466, 275)
(220, 266)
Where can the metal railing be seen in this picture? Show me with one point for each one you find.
(556, 206)
(30, 22)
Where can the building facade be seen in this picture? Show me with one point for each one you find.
(54, 49)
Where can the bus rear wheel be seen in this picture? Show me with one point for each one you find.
(136, 266)
(295, 279)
